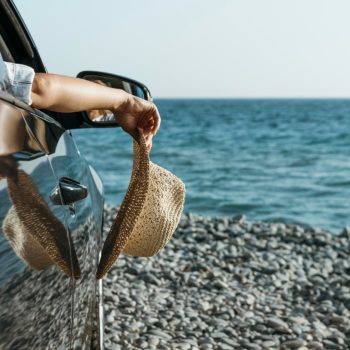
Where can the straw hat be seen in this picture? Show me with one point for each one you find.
(149, 213)
(34, 232)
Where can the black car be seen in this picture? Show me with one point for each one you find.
(51, 212)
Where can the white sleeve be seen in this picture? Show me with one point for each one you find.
(18, 81)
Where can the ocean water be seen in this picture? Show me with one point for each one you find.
(277, 160)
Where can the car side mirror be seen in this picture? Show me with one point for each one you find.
(105, 118)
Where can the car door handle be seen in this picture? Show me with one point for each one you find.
(68, 191)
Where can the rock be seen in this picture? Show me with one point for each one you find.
(206, 340)
(252, 346)
(144, 345)
(205, 306)
(182, 345)
(292, 344)
(331, 345)
(107, 295)
(240, 218)
(250, 299)
(207, 347)
(223, 346)
(268, 344)
(345, 233)
(314, 345)
(110, 320)
(338, 320)
(277, 324)
(218, 335)
(220, 284)
(228, 342)
(77, 344)
(160, 334)
(136, 326)
(221, 227)
(151, 278)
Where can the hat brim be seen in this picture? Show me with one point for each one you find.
(130, 208)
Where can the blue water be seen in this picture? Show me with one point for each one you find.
(277, 160)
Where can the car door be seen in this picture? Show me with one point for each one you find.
(36, 256)
(84, 220)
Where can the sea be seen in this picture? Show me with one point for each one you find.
(280, 160)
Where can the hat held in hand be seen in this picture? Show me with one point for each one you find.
(149, 213)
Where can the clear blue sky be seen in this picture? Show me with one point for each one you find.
(201, 48)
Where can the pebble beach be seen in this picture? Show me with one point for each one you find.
(231, 283)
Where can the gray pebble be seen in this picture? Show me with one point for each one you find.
(292, 344)
(251, 346)
(160, 334)
(331, 345)
(220, 284)
(314, 345)
(268, 344)
(228, 341)
(277, 324)
(335, 319)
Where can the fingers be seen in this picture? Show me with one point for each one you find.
(157, 120)
(140, 114)
(149, 142)
(150, 122)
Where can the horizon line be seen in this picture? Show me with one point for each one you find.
(252, 98)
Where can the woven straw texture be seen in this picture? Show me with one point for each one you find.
(149, 213)
(165, 199)
(23, 243)
(40, 223)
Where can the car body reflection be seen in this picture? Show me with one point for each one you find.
(48, 252)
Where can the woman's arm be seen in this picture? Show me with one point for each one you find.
(66, 94)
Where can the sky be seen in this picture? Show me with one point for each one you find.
(200, 48)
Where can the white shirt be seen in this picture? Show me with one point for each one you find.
(16, 79)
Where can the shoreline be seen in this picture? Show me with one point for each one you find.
(229, 283)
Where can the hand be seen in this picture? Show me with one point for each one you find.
(138, 113)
